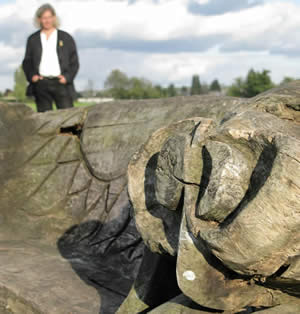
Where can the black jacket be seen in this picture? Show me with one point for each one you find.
(67, 56)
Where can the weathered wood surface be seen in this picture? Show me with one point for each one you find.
(223, 197)
(63, 188)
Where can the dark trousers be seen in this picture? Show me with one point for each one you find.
(46, 91)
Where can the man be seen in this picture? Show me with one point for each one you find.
(50, 63)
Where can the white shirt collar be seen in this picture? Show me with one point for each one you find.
(52, 35)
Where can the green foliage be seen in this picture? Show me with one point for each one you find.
(117, 83)
(162, 92)
(171, 90)
(140, 88)
(157, 92)
(256, 82)
(184, 91)
(116, 79)
(196, 85)
(29, 102)
(237, 89)
(287, 79)
(215, 86)
(119, 86)
(20, 85)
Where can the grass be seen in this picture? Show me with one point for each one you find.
(76, 104)
(30, 102)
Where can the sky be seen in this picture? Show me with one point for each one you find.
(166, 41)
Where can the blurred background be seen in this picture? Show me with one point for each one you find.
(133, 49)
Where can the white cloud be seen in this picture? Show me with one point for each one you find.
(165, 42)
(213, 64)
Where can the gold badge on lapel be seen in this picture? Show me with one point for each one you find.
(61, 43)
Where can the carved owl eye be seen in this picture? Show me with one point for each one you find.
(234, 186)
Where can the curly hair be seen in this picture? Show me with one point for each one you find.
(40, 11)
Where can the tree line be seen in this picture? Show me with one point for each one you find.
(119, 85)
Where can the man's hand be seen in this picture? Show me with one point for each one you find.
(62, 79)
(36, 77)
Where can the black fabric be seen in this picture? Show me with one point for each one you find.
(47, 91)
(67, 56)
(106, 256)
